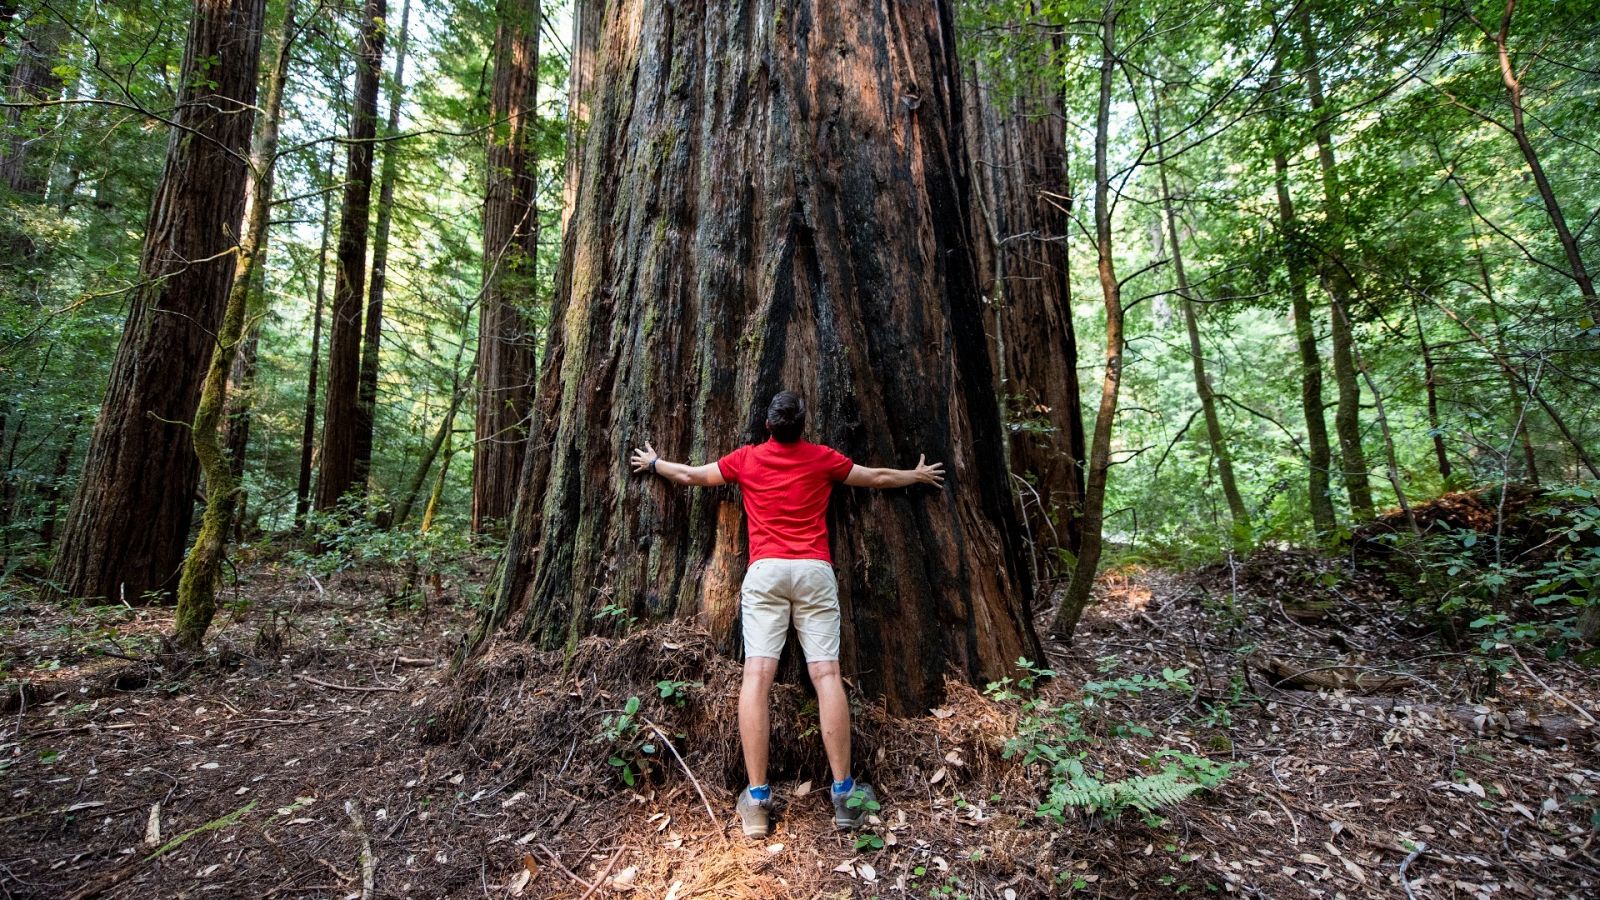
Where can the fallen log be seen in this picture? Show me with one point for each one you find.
(1329, 676)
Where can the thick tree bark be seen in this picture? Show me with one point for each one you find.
(1341, 287)
(1202, 383)
(308, 425)
(1021, 212)
(341, 414)
(1076, 597)
(125, 534)
(32, 79)
(773, 204)
(510, 254)
(587, 18)
(372, 335)
(202, 569)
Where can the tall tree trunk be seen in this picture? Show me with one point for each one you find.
(140, 466)
(1022, 208)
(1512, 79)
(50, 496)
(372, 336)
(341, 415)
(587, 19)
(1341, 287)
(1076, 597)
(1431, 387)
(308, 426)
(1202, 384)
(33, 80)
(828, 256)
(1517, 402)
(510, 254)
(202, 569)
(240, 395)
(1319, 457)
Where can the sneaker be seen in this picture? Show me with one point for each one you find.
(851, 810)
(753, 814)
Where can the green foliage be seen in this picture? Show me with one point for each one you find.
(349, 536)
(1059, 737)
(630, 753)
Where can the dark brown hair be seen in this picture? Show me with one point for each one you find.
(786, 417)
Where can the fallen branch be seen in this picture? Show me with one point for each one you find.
(563, 867)
(369, 863)
(110, 881)
(1530, 728)
(1421, 848)
(1331, 677)
(348, 687)
(1552, 691)
(695, 781)
(603, 873)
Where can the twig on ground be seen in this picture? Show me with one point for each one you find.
(1421, 848)
(1552, 691)
(369, 863)
(603, 873)
(709, 814)
(563, 867)
(348, 687)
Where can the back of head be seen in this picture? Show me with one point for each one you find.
(786, 417)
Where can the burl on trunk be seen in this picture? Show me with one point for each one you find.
(774, 195)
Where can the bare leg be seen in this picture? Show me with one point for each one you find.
(834, 710)
(754, 730)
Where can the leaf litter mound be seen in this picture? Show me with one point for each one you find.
(366, 762)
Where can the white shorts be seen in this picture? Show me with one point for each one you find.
(776, 590)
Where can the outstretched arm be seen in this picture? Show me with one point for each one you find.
(647, 460)
(924, 473)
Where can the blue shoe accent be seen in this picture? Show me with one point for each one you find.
(845, 786)
(764, 792)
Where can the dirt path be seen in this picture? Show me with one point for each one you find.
(323, 751)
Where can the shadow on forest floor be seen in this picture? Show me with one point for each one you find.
(324, 753)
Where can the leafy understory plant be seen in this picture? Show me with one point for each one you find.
(630, 753)
(1058, 737)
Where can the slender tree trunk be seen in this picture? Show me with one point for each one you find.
(1514, 394)
(1519, 131)
(202, 569)
(240, 396)
(1430, 385)
(829, 256)
(1076, 597)
(1202, 384)
(458, 393)
(587, 20)
(1319, 462)
(1022, 209)
(510, 254)
(1525, 387)
(342, 413)
(437, 494)
(308, 428)
(1341, 287)
(372, 337)
(50, 496)
(140, 466)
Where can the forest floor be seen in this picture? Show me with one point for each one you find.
(322, 751)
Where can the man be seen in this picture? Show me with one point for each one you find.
(785, 484)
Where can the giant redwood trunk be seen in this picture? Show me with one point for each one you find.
(1021, 211)
(774, 196)
(341, 417)
(126, 531)
(510, 251)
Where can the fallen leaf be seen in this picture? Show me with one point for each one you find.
(520, 882)
(774, 848)
(152, 826)
(625, 878)
(803, 789)
(866, 872)
(937, 776)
